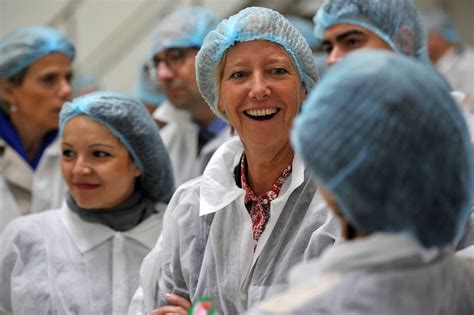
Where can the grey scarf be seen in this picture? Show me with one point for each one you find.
(122, 218)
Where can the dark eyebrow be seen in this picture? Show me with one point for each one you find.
(343, 36)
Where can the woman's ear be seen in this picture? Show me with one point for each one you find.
(6, 91)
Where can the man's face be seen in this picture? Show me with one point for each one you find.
(177, 77)
(341, 39)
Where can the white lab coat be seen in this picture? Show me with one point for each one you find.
(388, 274)
(56, 263)
(207, 248)
(24, 191)
(458, 68)
(180, 137)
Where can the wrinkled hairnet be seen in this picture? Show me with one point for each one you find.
(397, 22)
(22, 47)
(83, 82)
(182, 29)
(147, 90)
(383, 134)
(437, 21)
(305, 27)
(130, 122)
(249, 24)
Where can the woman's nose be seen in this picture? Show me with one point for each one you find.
(81, 168)
(65, 90)
(259, 87)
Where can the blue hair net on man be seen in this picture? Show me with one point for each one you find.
(252, 23)
(85, 83)
(24, 46)
(130, 122)
(437, 21)
(146, 89)
(382, 133)
(397, 22)
(183, 28)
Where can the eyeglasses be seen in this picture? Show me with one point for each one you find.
(173, 59)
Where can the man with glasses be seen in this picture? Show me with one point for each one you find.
(190, 130)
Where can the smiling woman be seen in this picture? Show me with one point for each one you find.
(35, 75)
(119, 178)
(233, 233)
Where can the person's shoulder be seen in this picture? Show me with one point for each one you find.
(28, 231)
(186, 197)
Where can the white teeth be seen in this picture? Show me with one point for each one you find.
(261, 112)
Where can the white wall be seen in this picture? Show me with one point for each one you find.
(99, 27)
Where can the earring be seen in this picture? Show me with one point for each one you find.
(13, 108)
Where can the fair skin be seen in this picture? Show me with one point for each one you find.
(38, 99)
(179, 84)
(260, 94)
(341, 39)
(97, 168)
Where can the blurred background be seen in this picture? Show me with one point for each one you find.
(112, 36)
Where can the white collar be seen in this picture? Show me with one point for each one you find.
(366, 253)
(87, 235)
(218, 188)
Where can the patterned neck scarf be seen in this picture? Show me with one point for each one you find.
(259, 206)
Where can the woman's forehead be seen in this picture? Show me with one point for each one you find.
(250, 50)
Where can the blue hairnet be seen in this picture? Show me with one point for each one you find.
(382, 133)
(305, 27)
(147, 90)
(183, 29)
(397, 22)
(84, 81)
(130, 122)
(24, 46)
(249, 24)
(437, 21)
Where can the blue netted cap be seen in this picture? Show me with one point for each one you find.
(438, 21)
(146, 89)
(249, 24)
(24, 46)
(83, 82)
(397, 22)
(183, 28)
(382, 133)
(305, 27)
(130, 122)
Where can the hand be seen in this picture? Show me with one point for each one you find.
(178, 305)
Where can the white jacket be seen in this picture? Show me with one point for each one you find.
(207, 248)
(385, 273)
(180, 137)
(24, 191)
(56, 263)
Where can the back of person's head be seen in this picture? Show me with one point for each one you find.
(184, 28)
(253, 23)
(382, 133)
(438, 21)
(24, 46)
(397, 22)
(128, 120)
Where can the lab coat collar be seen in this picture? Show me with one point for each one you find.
(87, 235)
(369, 253)
(218, 188)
